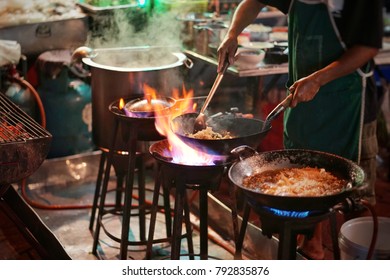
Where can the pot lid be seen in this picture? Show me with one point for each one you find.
(136, 60)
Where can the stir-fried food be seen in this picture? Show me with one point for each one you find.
(305, 181)
(209, 133)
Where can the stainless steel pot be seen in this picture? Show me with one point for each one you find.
(121, 73)
(208, 33)
(188, 21)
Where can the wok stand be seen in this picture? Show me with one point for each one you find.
(288, 228)
(181, 178)
(131, 129)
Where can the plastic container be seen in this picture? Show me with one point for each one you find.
(181, 6)
(355, 238)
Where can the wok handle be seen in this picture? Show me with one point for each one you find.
(277, 110)
(362, 189)
(243, 152)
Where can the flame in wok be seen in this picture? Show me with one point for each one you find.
(180, 151)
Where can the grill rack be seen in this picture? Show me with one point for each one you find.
(16, 126)
(24, 144)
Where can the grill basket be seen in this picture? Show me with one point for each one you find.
(24, 144)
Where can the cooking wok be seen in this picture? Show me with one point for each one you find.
(252, 162)
(244, 131)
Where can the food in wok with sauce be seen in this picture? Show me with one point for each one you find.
(295, 181)
(252, 163)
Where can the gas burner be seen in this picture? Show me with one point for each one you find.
(287, 225)
(143, 126)
(164, 152)
(289, 214)
(148, 106)
(209, 174)
(142, 106)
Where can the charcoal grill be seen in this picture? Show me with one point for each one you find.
(24, 144)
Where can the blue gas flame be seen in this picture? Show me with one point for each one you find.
(287, 213)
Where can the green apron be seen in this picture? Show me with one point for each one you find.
(332, 121)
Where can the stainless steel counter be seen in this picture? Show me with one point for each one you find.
(35, 38)
(262, 70)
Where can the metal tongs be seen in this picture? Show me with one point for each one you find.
(200, 121)
(277, 110)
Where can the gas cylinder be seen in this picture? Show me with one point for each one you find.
(66, 99)
(23, 98)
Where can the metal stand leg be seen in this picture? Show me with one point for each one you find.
(104, 192)
(128, 193)
(141, 198)
(153, 214)
(240, 238)
(178, 220)
(287, 243)
(334, 235)
(167, 211)
(97, 190)
(203, 217)
(188, 225)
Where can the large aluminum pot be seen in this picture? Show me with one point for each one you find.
(121, 73)
(188, 21)
(206, 34)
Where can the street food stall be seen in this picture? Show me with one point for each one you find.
(116, 87)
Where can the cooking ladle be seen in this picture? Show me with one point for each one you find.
(200, 121)
(277, 110)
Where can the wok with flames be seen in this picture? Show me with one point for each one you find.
(243, 131)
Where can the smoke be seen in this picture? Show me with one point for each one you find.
(124, 29)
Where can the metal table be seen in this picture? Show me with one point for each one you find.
(255, 85)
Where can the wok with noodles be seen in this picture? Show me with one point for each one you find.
(209, 133)
(301, 181)
(295, 180)
(222, 134)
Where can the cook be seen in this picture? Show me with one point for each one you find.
(332, 44)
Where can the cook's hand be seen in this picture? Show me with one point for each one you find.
(227, 50)
(305, 89)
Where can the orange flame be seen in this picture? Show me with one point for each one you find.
(121, 103)
(149, 92)
(180, 151)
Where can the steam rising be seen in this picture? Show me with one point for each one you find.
(126, 29)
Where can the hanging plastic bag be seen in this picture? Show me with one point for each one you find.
(10, 52)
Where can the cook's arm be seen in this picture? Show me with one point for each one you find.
(244, 15)
(307, 87)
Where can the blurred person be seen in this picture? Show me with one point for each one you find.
(334, 107)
